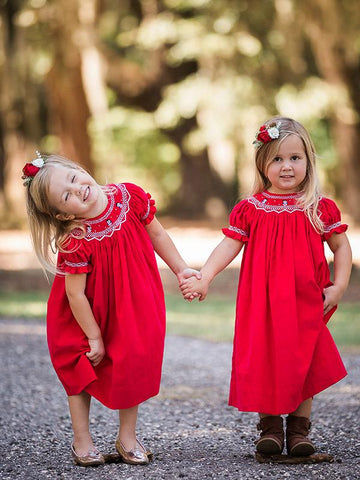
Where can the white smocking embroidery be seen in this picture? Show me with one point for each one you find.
(263, 205)
(112, 226)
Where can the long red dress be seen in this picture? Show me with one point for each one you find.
(283, 351)
(126, 296)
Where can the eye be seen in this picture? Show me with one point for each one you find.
(295, 157)
(67, 196)
(277, 159)
(73, 179)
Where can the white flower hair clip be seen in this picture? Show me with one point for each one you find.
(266, 134)
(31, 169)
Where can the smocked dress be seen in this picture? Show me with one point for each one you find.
(125, 292)
(283, 351)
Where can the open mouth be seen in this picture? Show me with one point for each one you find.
(86, 194)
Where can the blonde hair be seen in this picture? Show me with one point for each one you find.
(309, 189)
(48, 233)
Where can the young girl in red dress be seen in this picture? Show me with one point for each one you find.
(106, 311)
(283, 352)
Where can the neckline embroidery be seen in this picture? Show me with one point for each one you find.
(112, 218)
(276, 202)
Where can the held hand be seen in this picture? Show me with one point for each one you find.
(332, 296)
(184, 275)
(97, 351)
(188, 273)
(191, 285)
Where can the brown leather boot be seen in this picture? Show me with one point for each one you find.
(271, 441)
(297, 430)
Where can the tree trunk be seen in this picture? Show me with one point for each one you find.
(339, 63)
(69, 107)
(200, 183)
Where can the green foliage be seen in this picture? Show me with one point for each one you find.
(211, 320)
(214, 320)
(209, 71)
(129, 147)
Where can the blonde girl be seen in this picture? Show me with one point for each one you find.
(283, 351)
(106, 312)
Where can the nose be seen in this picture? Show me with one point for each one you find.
(286, 165)
(77, 189)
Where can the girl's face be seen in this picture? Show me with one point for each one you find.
(74, 193)
(287, 170)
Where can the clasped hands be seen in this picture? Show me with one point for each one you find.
(192, 284)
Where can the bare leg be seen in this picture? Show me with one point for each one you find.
(79, 406)
(127, 429)
(304, 409)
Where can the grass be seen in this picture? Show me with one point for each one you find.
(211, 320)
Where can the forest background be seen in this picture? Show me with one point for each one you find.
(169, 94)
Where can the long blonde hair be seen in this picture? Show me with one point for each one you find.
(48, 233)
(309, 189)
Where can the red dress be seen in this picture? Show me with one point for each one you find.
(125, 292)
(283, 351)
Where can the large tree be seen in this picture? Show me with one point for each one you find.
(105, 81)
(333, 28)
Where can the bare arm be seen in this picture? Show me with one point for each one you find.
(220, 258)
(80, 307)
(339, 245)
(165, 248)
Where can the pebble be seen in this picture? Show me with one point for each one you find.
(190, 428)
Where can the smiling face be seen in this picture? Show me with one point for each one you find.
(287, 170)
(74, 193)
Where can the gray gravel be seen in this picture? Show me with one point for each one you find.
(189, 427)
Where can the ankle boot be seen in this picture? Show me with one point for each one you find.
(271, 441)
(297, 430)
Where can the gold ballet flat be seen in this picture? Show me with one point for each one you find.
(133, 457)
(92, 459)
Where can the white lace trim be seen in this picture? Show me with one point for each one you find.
(75, 265)
(147, 211)
(238, 230)
(279, 197)
(112, 226)
(332, 227)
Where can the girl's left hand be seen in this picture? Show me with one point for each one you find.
(332, 296)
(188, 273)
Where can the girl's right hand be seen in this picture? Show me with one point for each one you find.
(97, 351)
(192, 288)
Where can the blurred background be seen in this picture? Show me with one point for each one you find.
(169, 94)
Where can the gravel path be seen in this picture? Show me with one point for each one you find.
(189, 427)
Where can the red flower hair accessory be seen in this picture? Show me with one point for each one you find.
(32, 168)
(266, 134)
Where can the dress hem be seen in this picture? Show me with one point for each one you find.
(292, 409)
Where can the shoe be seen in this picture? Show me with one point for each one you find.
(138, 456)
(297, 430)
(92, 459)
(271, 441)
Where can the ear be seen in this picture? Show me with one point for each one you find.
(63, 217)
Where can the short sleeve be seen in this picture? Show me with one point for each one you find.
(142, 203)
(75, 259)
(239, 222)
(331, 218)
